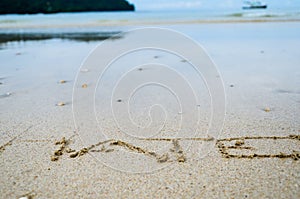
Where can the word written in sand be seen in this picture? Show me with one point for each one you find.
(224, 146)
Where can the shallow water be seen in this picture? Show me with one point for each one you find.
(83, 36)
(104, 19)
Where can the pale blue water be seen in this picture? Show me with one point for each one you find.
(116, 20)
(209, 4)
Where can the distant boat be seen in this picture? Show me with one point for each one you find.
(254, 5)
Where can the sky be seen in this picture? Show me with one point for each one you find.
(202, 4)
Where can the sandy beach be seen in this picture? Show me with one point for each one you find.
(256, 155)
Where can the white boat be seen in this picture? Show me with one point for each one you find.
(254, 5)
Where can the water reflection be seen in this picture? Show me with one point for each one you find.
(82, 36)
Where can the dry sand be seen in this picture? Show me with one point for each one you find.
(255, 156)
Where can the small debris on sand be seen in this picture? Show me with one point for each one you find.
(60, 104)
(267, 109)
(62, 81)
(231, 85)
(84, 86)
(119, 100)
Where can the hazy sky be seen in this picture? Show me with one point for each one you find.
(197, 4)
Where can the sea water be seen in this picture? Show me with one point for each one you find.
(107, 20)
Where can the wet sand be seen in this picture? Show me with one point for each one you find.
(255, 156)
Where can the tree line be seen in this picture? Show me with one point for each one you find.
(56, 6)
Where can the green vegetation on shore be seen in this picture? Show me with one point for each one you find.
(56, 6)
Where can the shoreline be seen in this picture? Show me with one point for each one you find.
(14, 26)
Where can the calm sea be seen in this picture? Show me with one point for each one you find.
(93, 19)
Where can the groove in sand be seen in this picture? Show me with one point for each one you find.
(177, 149)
